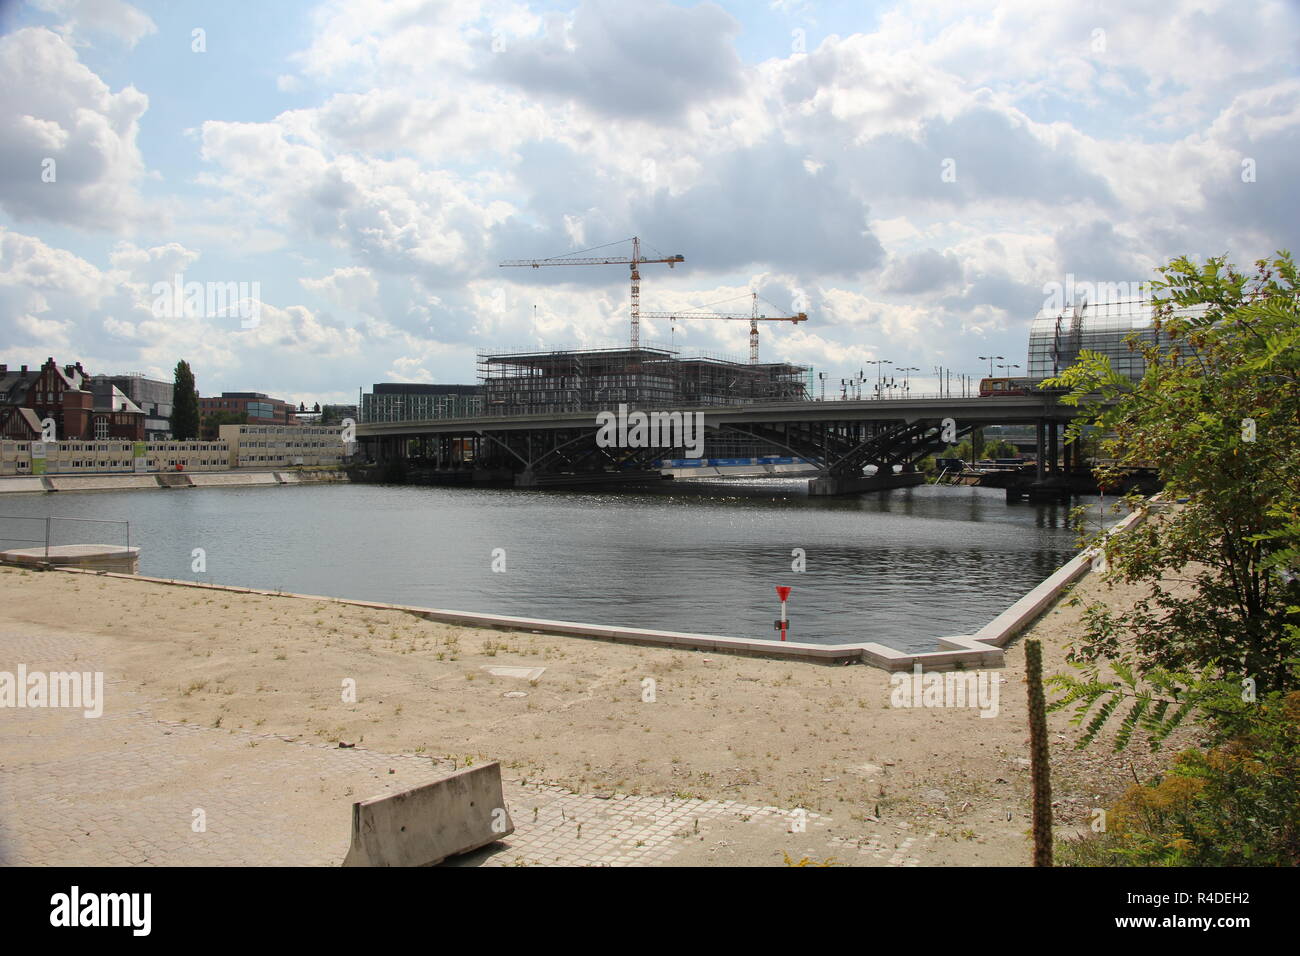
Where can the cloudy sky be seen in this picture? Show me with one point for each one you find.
(912, 175)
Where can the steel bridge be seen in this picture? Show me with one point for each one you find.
(841, 437)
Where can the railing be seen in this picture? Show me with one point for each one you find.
(49, 528)
(491, 409)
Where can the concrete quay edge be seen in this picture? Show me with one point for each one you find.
(982, 649)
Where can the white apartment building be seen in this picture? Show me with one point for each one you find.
(283, 446)
(80, 457)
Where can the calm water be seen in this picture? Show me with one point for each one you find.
(902, 567)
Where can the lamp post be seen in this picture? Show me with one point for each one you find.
(907, 378)
(877, 363)
(1007, 368)
(990, 360)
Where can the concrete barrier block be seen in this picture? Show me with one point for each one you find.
(21, 484)
(427, 824)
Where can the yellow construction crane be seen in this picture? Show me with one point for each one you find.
(753, 318)
(576, 259)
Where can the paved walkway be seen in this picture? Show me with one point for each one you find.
(130, 789)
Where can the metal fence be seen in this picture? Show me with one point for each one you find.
(47, 529)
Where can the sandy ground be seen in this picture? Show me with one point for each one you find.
(720, 727)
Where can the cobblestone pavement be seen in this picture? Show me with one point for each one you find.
(130, 789)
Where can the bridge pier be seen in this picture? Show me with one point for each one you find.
(850, 485)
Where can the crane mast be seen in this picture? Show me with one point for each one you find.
(753, 318)
(632, 262)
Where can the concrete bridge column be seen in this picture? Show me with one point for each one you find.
(1040, 450)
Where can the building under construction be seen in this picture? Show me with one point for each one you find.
(519, 383)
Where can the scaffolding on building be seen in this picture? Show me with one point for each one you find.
(572, 380)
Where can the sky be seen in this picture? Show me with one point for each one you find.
(917, 177)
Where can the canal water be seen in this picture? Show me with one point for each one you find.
(901, 567)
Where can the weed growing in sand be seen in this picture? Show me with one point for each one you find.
(808, 861)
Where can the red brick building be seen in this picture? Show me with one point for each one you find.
(79, 408)
(260, 409)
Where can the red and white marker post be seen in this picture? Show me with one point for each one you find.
(783, 593)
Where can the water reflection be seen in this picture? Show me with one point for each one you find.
(901, 567)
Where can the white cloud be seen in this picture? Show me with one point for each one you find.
(445, 135)
(63, 119)
(114, 17)
(352, 288)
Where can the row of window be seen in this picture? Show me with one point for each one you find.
(280, 458)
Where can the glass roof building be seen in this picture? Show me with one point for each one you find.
(1056, 338)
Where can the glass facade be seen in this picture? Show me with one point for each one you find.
(1057, 338)
(403, 402)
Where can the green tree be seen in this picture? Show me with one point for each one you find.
(1217, 413)
(1217, 633)
(185, 404)
(213, 421)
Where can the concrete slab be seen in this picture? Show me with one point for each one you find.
(21, 484)
(218, 478)
(90, 557)
(524, 673)
(101, 482)
(427, 824)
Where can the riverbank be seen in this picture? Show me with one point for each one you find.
(167, 480)
(691, 730)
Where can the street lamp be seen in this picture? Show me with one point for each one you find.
(990, 360)
(1007, 368)
(907, 378)
(877, 363)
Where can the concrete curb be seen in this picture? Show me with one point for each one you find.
(984, 648)
(981, 649)
(165, 480)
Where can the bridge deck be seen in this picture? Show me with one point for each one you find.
(998, 410)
